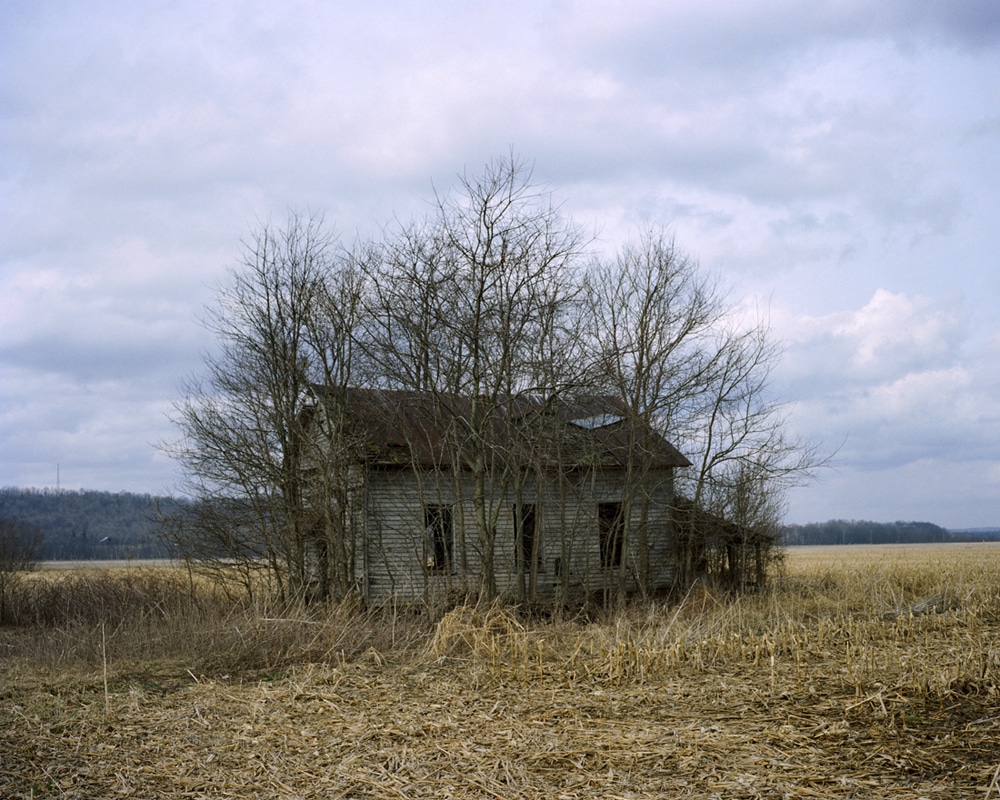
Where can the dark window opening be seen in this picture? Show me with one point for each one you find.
(440, 538)
(611, 528)
(526, 536)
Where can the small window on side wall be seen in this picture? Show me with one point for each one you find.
(439, 539)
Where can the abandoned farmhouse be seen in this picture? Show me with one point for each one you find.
(417, 496)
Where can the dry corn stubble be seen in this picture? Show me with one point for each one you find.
(837, 684)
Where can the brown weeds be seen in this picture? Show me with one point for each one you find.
(861, 674)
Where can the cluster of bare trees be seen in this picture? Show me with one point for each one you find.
(493, 296)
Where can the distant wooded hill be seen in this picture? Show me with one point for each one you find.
(840, 531)
(83, 525)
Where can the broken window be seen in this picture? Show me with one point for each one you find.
(439, 539)
(526, 537)
(611, 529)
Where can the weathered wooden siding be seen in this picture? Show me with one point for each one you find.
(569, 565)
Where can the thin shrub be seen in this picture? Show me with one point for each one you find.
(93, 617)
(111, 597)
(269, 636)
(90, 616)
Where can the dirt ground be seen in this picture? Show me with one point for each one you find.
(375, 730)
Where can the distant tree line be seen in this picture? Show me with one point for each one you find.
(975, 535)
(842, 531)
(84, 525)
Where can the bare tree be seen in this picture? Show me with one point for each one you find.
(280, 329)
(651, 313)
(668, 345)
(484, 309)
(467, 304)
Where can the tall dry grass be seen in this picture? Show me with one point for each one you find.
(890, 627)
(140, 616)
(892, 630)
(866, 672)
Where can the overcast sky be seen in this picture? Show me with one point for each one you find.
(836, 163)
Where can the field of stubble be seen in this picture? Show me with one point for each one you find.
(864, 673)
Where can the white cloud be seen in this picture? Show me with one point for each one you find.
(895, 332)
(902, 390)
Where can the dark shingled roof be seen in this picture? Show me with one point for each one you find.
(396, 427)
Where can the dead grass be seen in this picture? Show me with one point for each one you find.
(139, 615)
(837, 684)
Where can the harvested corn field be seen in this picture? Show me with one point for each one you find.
(864, 673)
